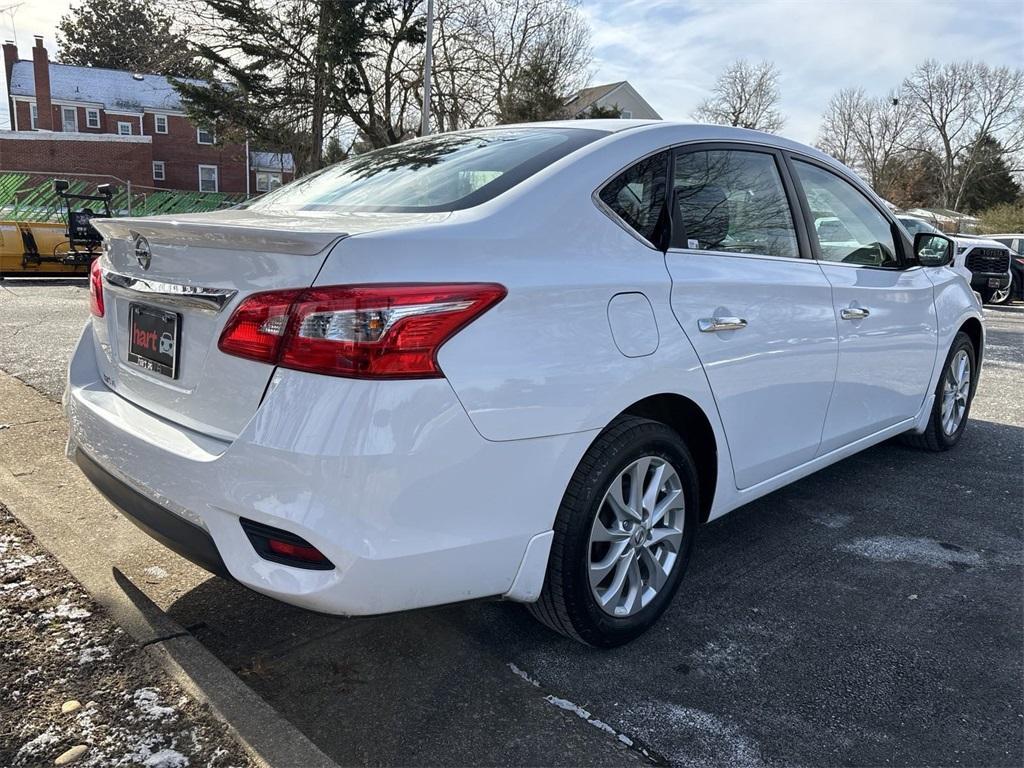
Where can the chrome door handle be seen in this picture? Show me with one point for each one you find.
(854, 313)
(714, 324)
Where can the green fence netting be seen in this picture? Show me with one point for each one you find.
(28, 197)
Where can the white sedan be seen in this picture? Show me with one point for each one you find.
(524, 362)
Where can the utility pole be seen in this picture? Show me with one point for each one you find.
(428, 62)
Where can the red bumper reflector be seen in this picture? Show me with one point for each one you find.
(283, 548)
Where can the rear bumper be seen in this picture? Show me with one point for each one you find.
(187, 539)
(389, 480)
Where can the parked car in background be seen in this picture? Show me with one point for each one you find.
(1015, 242)
(984, 262)
(523, 362)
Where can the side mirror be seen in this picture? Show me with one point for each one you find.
(60, 185)
(105, 190)
(933, 250)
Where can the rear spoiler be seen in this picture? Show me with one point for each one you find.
(237, 230)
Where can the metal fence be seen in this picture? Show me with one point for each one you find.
(31, 197)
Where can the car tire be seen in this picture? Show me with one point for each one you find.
(986, 295)
(937, 436)
(596, 525)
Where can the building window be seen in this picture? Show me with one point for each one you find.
(92, 118)
(208, 178)
(69, 119)
(267, 182)
(160, 123)
(124, 129)
(158, 170)
(33, 115)
(205, 136)
(626, 114)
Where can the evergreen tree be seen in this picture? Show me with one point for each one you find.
(534, 95)
(287, 72)
(595, 112)
(133, 35)
(990, 181)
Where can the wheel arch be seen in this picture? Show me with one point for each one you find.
(972, 327)
(688, 419)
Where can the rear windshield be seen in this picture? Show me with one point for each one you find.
(446, 172)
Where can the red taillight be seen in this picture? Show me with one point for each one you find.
(96, 288)
(359, 331)
(257, 327)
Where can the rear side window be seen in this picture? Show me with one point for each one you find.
(850, 230)
(732, 201)
(637, 195)
(447, 172)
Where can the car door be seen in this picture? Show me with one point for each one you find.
(884, 307)
(756, 307)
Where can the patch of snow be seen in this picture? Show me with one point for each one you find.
(166, 758)
(901, 549)
(20, 562)
(832, 520)
(146, 702)
(38, 744)
(66, 611)
(95, 653)
(734, 748)
(523, 674)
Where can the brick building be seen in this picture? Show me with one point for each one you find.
(131, 126)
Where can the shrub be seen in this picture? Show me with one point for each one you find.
(1005, 217)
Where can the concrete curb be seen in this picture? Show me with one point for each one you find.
(68, 517)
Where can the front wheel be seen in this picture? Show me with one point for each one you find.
(953, 398)
(986, 295)
(623, 535)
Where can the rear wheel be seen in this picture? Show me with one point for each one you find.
(623, 535)
(953, 398)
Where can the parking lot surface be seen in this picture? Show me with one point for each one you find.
(869, 614)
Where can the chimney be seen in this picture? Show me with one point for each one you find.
(10, 56)
(41, 70)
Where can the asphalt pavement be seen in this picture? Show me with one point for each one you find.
(870, 614)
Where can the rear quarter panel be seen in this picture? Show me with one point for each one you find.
(543, 361)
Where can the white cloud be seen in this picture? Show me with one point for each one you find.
(672, 51)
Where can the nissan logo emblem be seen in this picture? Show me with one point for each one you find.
(143, 254)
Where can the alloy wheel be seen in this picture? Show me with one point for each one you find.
(636, 536)
(956, 390)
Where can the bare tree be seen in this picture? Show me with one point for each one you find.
(956, 106)
(745, 95)
(487, 51)
(837, 135)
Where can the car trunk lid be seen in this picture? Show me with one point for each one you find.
(177, 281)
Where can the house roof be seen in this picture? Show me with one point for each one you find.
(113, 88)
(588, 96)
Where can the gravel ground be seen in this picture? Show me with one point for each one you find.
(73, 683)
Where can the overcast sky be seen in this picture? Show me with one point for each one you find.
(672, 50)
